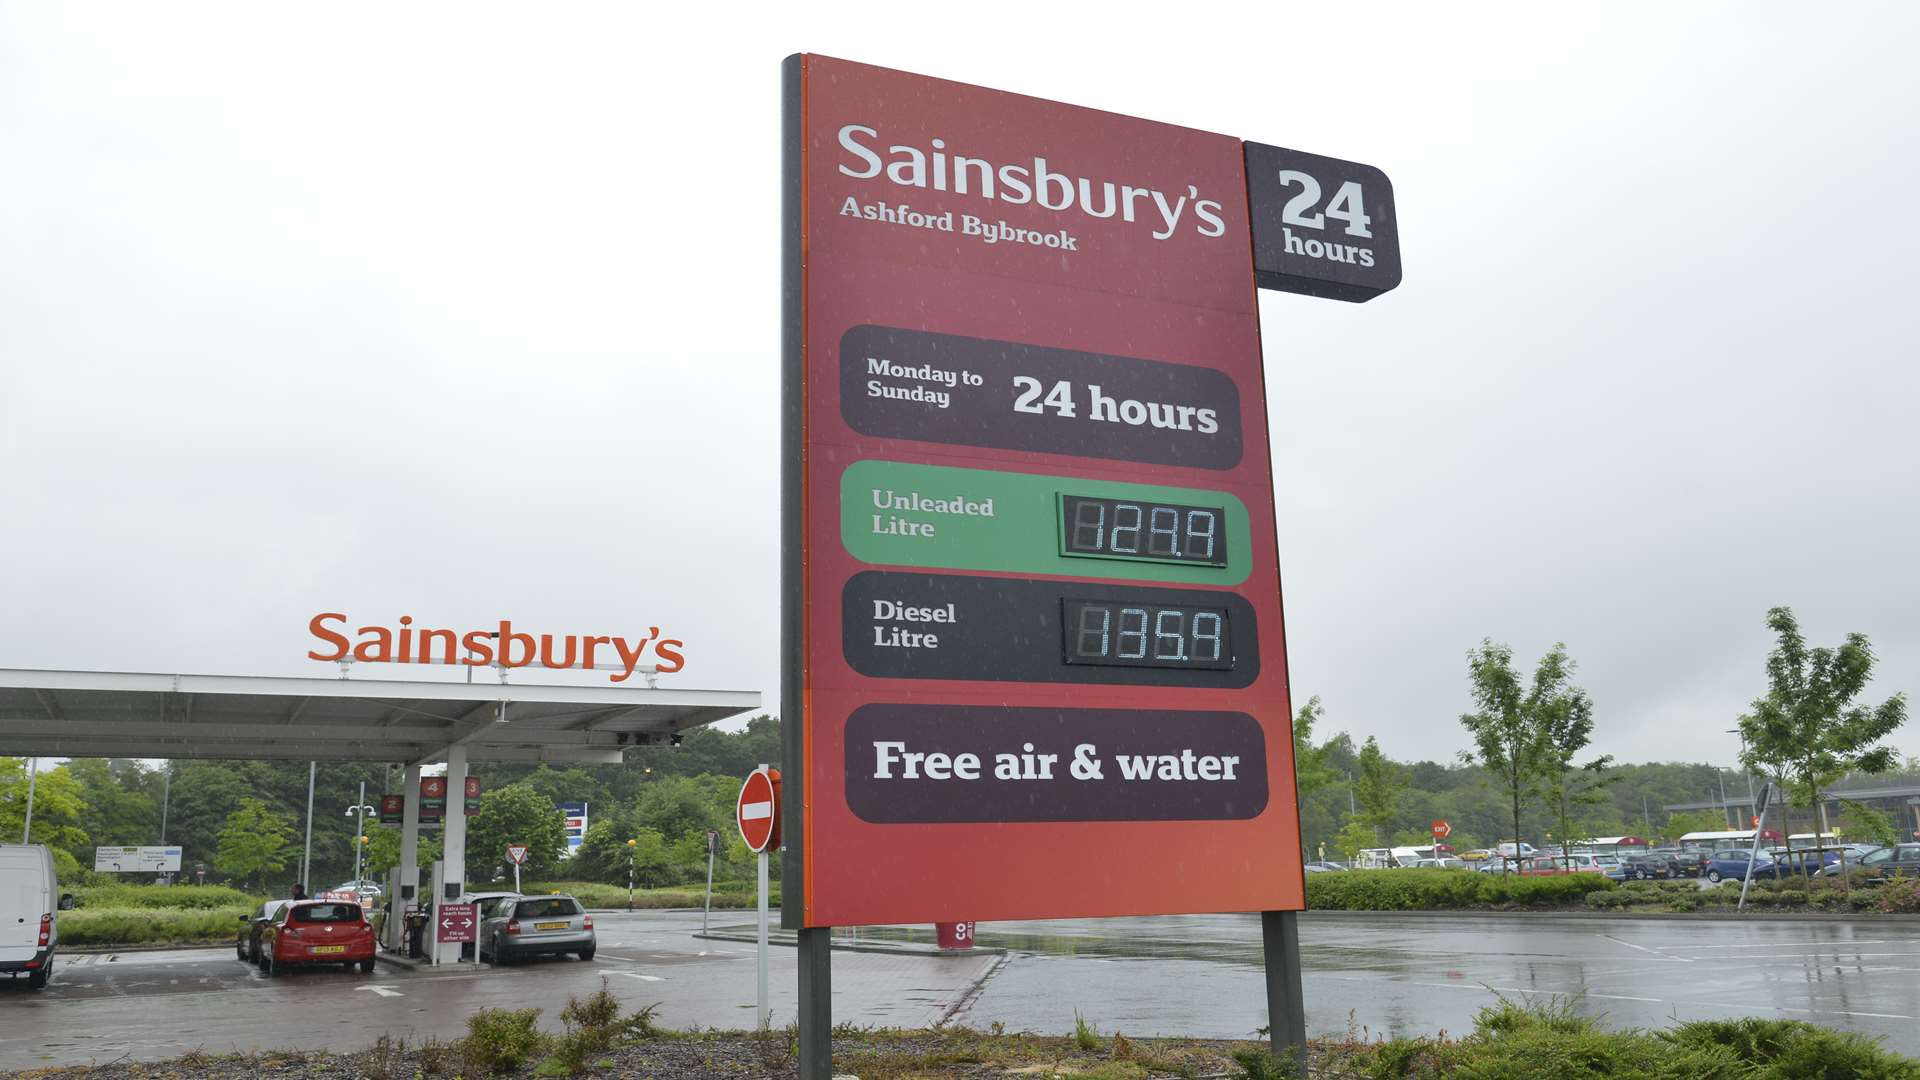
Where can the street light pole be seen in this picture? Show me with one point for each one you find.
(306, 856)
(33, 774)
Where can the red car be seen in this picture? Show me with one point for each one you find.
(317, 932)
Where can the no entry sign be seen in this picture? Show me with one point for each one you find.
(758, 809)
(1034, 633)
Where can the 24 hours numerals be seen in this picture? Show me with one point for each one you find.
(1065, 399)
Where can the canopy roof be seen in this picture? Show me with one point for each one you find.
(126, 714)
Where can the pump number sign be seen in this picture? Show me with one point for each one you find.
(1032, 595)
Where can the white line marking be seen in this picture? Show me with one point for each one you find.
(1644, 949)
(1782, 944)
(644, 978)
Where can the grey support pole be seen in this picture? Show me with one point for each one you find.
(815, 946)
(33, 774)
(1286, 1008)
(306, 856)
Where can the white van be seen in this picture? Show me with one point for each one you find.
(28, 908)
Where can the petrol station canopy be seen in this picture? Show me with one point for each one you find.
(128, 714)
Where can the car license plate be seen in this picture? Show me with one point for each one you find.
(321, 950)
(549, 926)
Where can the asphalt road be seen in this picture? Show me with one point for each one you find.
(1192, 975)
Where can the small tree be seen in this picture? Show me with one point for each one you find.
(1565, 720)
(515, 814)
(1310, 769)
(1807, 729)
(1353, 838)
(254, 842)
(1377, 788)
(1510, 726)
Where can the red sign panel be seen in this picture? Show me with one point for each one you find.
(457, 922)
(757, 811)
(1442, 830)
(1033, 566)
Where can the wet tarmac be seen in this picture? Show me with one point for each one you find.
(1190, 975)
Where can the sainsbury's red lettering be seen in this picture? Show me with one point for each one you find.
(505, 647)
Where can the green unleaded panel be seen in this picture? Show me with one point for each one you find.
(894, 514)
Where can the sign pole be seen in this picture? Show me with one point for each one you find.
(761, 1015)
(1286, 1008)
(516, 877)
(33, 774)
(1759, 823)
(713, 841)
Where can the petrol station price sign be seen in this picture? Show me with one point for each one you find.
(1033, 605)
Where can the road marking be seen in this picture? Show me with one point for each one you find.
(1784, 944)
(383, 991)
(1644, 949)
(643, 978)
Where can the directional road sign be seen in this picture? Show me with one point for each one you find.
(457, 922)
(1442, 830)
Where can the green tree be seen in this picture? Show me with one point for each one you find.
(1310, 770)
(1377, 788)
(515, 814)
(59, 803)
(1807, 728)
(1571, 791)
(254, 843)
(118, 809)
(1353, 838)
(1510, 724)
(383, 853)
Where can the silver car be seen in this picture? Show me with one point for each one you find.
(513, 928)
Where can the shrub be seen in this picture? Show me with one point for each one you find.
(1262, 1065)
(162, 896)
(1794, 1049)
(1084, 1036)
(500, 1040)
(149, 926)
(1900, 897)
(1425, 890)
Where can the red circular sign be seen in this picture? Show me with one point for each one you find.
(758, 809)
(433, 787)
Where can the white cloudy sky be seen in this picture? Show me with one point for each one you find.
(471, 311)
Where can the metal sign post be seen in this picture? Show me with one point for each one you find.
(713, 845)
(757, 812)
(1759, 825)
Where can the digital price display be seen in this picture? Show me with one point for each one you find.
(898, 625)
(1161, 532)
(1119, 634)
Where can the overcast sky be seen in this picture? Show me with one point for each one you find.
(471, 312)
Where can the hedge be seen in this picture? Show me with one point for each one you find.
(1430, 890)
(595, 895)
(162, 896)
(150, 926)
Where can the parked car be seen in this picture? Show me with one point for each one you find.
(1731, 864)
(514, 928)
(1901, 859)
(1686, 863)
(29, 912)
(1856, 857)
(1651, 865)
(306, 932)
(364, 889)
(1440, 864)
(247, 943)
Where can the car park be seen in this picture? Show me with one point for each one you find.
(1686, 862)
(29, 912)
(1731, 865)
(311, 932)
(514, 928)
(247, 943)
